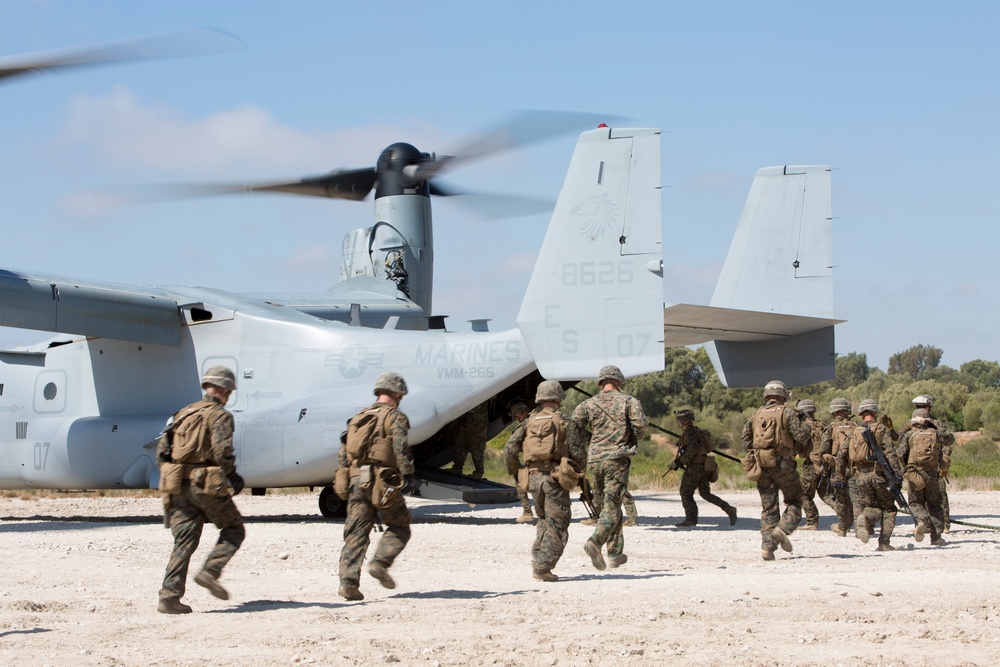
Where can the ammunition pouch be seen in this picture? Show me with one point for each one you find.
(751, 466)
(387, 488)
(342, 482)
(567, 473)
(172, 476)
(210, 481)
(523, 475)
(712, 469)
(767, 458)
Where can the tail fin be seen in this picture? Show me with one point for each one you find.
(596, 293)
(780, 262)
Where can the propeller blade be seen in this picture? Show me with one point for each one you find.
(518, 129)
(196, 41)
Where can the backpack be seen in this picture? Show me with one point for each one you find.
(190, 433)
(544, 438)
(841, 435)
(767, 430)
(858, 448)
(705, 440)
(924, 448)
(365, 435)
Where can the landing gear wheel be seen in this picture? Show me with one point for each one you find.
(330, 504)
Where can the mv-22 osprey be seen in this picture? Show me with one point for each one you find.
(84, 409)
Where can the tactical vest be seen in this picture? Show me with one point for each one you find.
(925, 448)
(191, 433)
(770, 433)
(544, 439)
(368, 441)
(703, 446)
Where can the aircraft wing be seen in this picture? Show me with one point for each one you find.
(684, 324)
(89, 308)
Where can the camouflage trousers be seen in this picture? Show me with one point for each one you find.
(628, 505)
(358, 527)
(925, 504)
(610, 485)
(696, 479)
(522, 496)
(839, 500)
(945, 505)
(552, 533)
(809, 479)
(189, 510)
(784, 478)
(466, 446)
(876, 502)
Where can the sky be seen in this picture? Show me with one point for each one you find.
(901, 99)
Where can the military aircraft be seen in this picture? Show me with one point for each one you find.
(84, 408)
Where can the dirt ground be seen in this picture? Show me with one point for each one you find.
(81, 575)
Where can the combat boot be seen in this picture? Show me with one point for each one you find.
(589, 522)
(840, 532)
(861, 529)
(938, 542)
(885, 546)
(476, 475)
(173, 606)
(545, 576)
(209, 581)
(616, 561)
(686, 523)
(350, 591)
(731, 513)
(767, 554)
(378, 571)
(809, 526)
(594, 551)
(630, 522)
(919, 533)
(527, 517)
(781, 538)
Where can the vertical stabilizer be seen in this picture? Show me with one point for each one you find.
(596, 293)
(780, 261)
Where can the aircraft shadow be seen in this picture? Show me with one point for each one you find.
(39, 522)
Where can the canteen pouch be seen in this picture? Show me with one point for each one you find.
(914, 478)
(767, 458)
(523, 475)
(171, 477)
(567, 473)
(751, 466)
(342, 482)
(210, 481)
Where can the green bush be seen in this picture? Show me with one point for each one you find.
(978, 457)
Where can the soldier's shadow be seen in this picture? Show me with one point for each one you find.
(256, 606)
(456, 594)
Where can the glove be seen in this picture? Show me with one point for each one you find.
(236, 481)
(675, 465)
(838, 485)
(829, 460)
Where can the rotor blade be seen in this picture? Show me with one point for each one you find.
(518, 129)
(484, 207)
(352, 184)
(196, 41)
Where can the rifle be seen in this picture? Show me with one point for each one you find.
(587, 497)
(667, 431)
(895, 486)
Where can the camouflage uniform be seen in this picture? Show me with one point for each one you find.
(692, 455)
(925, 504)
(616, 421)
(784, 477)
(361, 512)
(628, 508)
(189, 510)
(522, 495)
(874, 499)
(552, 501)
(811, 467)
(947, 445)
(835, 483)
(470, 438)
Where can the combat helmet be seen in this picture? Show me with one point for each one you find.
(923, 399)
(776, 388)
(516, 408)
(868, 405)
(920, 416)
(550, 390)
(219, 376)
(838, 404)
(684, 415)
(610, 373)
(390, 382)
(806, 405)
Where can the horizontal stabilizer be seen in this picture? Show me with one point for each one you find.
(803, 359)
(684, 324)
